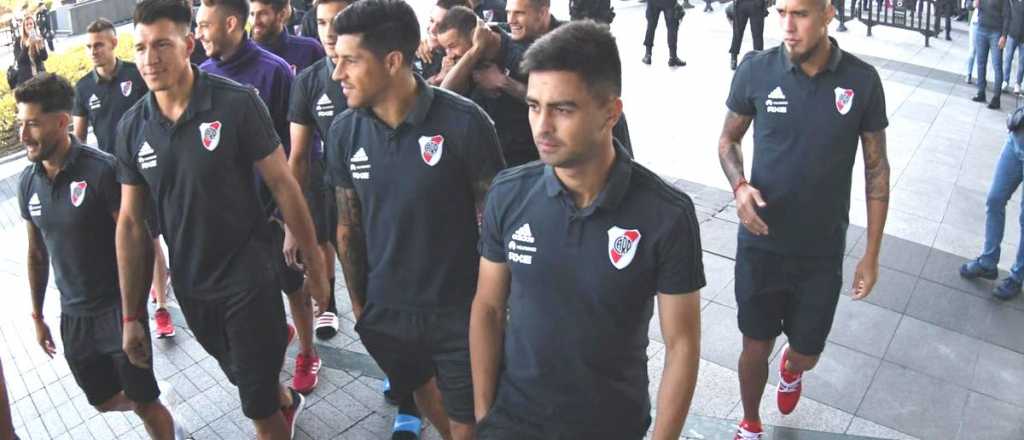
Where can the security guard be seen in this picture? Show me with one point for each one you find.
(794, 211)
(197, 161)
(667, 9)
(410, 164)
(578, 245)
(69, 198)
(753, 11)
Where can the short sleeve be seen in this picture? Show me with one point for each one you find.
(109, 189)
(680, 259)
(491, 244)
(127, 167)
(80, 107)
(23, 193)
(481, 149)
(875, 118)
(256, 135)
(299, 110)
(335, 152)
(739, 100)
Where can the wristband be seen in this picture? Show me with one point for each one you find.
(37, 316)
(129, 318)
(742, 182)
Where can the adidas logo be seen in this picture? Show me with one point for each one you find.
(360, 156)
(777, 94)
(523, 234)
(34, 207)
(147, 157)
(324, 100)
(94, 102)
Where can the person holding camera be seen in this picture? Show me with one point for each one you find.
(29, 51)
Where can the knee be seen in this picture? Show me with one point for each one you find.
(801, 362)
(756, 350)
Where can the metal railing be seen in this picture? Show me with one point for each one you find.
(913, 15)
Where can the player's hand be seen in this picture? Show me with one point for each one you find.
(45, 339)
(865, 278)
(480, 35)
(748, 199)
(136, 345)
(291, 251)
(424, 53)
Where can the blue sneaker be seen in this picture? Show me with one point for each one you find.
(389, 397)
(1007, 290)
(407, 427)
(973, 269)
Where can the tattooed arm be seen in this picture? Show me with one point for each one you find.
(876, 179)
(730, 154)
(352, 246)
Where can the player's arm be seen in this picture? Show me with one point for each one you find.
(135, 270)
(81, 124)
(730, 146)
(487, 332)
(38, 277)
(298, 161)
(876, 180)
(680, 327)
(352, 246)
(274, 170)
(459, 77)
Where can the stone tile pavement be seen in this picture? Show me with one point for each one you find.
(927, 356)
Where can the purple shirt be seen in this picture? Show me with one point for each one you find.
(270, 75)
(298, 52)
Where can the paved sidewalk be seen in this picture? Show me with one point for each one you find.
(927, 356)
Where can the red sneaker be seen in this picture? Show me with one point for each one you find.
(749, 431)
(306, 369)
(291, 413)
(788, 392)
(164, 324)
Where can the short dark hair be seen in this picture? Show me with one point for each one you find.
(386, 26)
(324, 2)
(276, 5)
(50, 90)
(537, 4)
(460, 18)
(101, 25)
(149, 11)
(448, 4)
(237, 8)
(583, 47)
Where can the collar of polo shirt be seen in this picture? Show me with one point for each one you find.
(117, 69)
(833, 59)
(73, 152)
(611, 196)
(199, 101)
(419, 111)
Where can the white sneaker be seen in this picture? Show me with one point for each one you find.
(1016, 89)
(1006, 86)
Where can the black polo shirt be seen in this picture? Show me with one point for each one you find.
(806, 132)
(427, 70)
(416, 184)
(75, 214)
(316, 99)
(582, 292)
(200, 173)
(103, 102)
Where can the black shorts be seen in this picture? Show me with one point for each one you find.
(288, 279)
(795, 295)
(92, 347)
(247, 334)
(322, 205)
(414, 346)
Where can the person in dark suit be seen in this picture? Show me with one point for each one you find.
(666, 8)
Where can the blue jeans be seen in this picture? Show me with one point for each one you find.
(1009, 173)
(1013, 44)
(986, 43)
(972, 56)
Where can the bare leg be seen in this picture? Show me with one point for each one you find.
(271, 428)
(428, 399)
(462, 431)
(157, 419)
(159, 274)
(302, 313)
(753, 371)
